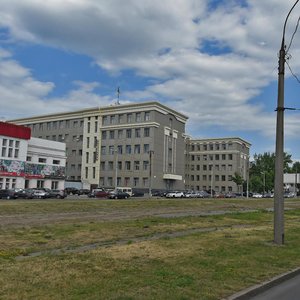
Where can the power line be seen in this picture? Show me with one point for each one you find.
(292, 72)
(292, 38)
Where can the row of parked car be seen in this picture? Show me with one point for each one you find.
(41, 193)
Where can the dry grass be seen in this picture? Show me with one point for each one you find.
(198, 265)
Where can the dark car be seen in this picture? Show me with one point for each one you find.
(26, 194)
(59, 194)
(84, 191)
(72, 191)
(98, 193)
(118, 195)
(8, 194)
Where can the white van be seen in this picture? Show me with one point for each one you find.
(127, 190)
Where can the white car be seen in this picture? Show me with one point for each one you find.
(175, 195)
(257, 195)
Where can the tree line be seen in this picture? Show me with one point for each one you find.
(262, 172)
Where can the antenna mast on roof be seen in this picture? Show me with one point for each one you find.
(118, 93)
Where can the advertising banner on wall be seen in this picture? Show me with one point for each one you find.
(12, 168)
(18, 168)
(44, 171)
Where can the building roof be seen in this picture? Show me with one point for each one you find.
(95, 111)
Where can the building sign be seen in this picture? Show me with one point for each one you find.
(12, 168)
(44, 171)
(18, 168)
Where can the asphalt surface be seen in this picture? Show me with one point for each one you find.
(287, 290)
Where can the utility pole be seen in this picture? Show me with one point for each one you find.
(279, 159)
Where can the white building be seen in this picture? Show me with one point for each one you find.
(27, 162)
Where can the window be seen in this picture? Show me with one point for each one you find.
(128, 149)
(41, 126)
(80, 152)
(145, 165)
(88, 127)
(135, 181)
(137, 149)
(104, 135)
(102, 165)
(48, 125)
(119, 165)
(73, 152)
(147, 116)
(54, 125)
(136, 165)
(121, 118)
(205, 147)
(87, 157)
(223, 156)
(40, 184)
(88, 142)
(111, 134)
(129, 118)
(146, 132)
(95, 142)
(96, 126)
(95, 157)
(42, 160)
(111, 150)
(113, 120)
(120, 149)
(146, 148)
(230, 156)
(145, 182)
(54, 185)
(211, 147)
(56, 162)
(94, 172)
(110, 165)
(137, 132)
(138, 117)
(104, 120)
(217, 157)
(28, 158)
(120, 134)
(86, 172)
(128, 133)
(127, 165)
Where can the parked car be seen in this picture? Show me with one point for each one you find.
(59, 194)
(230, 195)
(26, 194)
(72, 191)
(137, 194)
(219, 195)
(98, 193)
(8, 194)
(175, 194)
(191, 195)
(289, 195)
(118, 195)
(84, 191)
(41, 194)
(257, 195)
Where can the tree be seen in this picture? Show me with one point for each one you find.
(238, 180)
(263, 169)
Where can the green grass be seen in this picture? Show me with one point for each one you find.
(197, 265)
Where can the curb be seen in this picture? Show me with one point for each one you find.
(255, 290)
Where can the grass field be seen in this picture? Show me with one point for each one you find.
(141, 249)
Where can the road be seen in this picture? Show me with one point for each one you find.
(287, 290)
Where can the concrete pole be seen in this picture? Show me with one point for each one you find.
(278, 184)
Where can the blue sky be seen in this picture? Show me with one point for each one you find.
(215, 61)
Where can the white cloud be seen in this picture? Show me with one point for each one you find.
(164, 40)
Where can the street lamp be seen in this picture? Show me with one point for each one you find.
(278, 184)
(211, 180)
(151, 152)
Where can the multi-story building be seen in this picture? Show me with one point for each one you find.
(211, 163)
(137, 145)
(27, 162)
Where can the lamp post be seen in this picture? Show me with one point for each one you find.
(211, 180)
(151, 152)
(278, 183)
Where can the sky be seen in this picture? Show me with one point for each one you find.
(215, 61)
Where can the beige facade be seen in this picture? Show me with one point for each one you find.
(211, 163)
